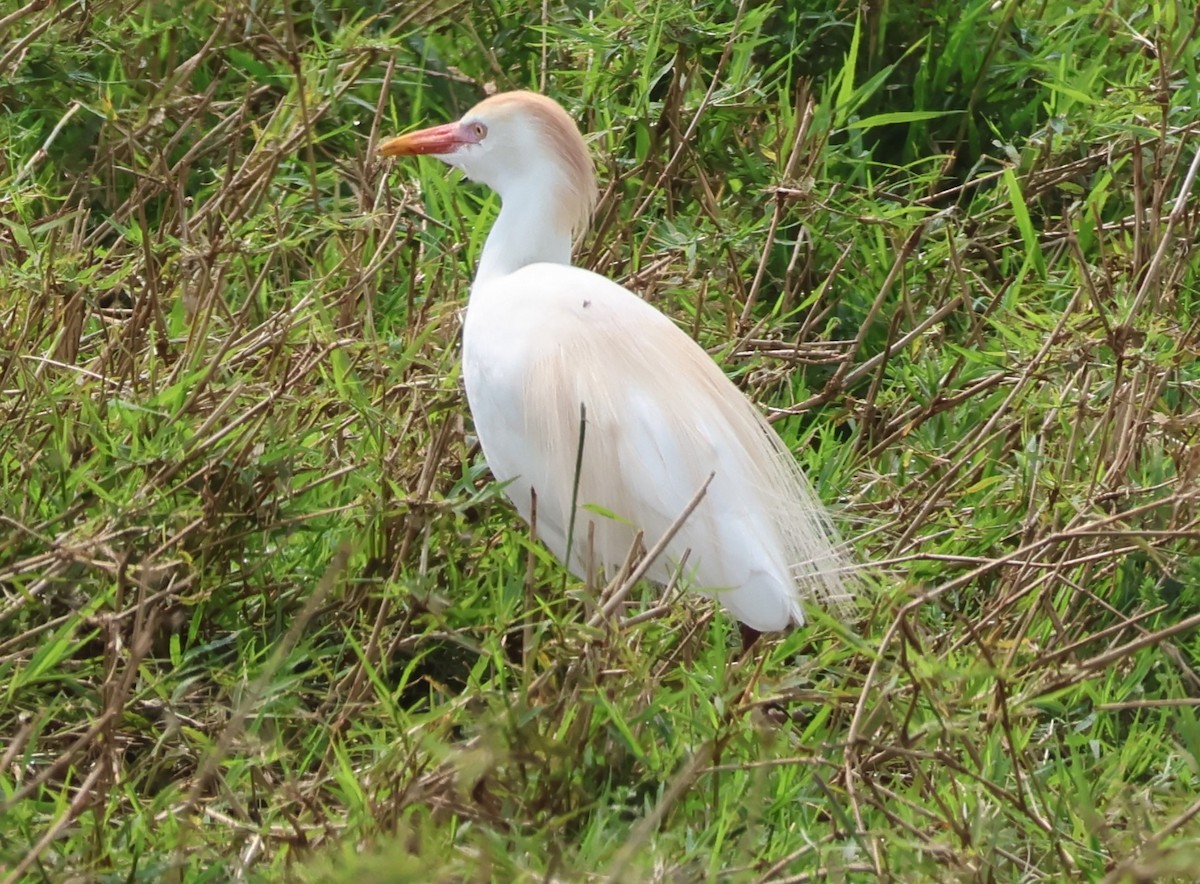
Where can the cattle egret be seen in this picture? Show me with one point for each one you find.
(544, 342)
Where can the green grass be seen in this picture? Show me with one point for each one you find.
(263, 614)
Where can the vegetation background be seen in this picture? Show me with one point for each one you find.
(262, 614)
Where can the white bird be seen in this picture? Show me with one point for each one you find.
(543, 339)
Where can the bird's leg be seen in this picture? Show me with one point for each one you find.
(749, 637)
(774, 711)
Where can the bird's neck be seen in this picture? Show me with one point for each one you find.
(526, 231)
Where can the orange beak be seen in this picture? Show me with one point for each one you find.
(442, 139)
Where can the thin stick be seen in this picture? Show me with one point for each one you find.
(575, 492)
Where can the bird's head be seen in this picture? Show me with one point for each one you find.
(517, 143)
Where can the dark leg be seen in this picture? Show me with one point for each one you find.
(749, 637)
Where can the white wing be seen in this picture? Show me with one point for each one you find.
(661, 416)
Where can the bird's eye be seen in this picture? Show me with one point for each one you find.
(479, 129)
